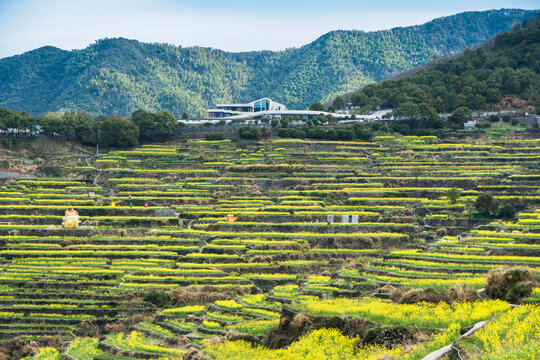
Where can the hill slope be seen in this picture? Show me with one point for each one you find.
(504, 73)
(118, 76)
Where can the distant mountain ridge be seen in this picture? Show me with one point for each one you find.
(119, 76)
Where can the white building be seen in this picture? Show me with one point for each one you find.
(228, 111)
(267, 108)
(470, 125)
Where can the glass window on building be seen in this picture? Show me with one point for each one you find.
(261, 105)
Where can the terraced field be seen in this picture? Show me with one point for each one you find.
(155, 268)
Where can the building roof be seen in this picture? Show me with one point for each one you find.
(235, 105)
(250, 104)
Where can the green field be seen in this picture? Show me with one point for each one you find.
(323, 230)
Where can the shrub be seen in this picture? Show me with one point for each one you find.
(453, 195)
(252, 133)
(510, 283)
(317, 106)
(215, 136)
(487, 204)
(157, 298)
(345, 134)
(494, 118)
(362, 133)
(53, 170)
(507, 211)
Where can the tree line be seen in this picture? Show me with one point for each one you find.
(112, 131)
(311, 129)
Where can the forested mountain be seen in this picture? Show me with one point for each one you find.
(119, 76)
(505, 73)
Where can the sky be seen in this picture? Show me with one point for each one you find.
(232, 25)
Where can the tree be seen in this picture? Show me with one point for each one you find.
(494, 95)
(430, 118)
(49, 125)
(476, 101)
(250, 133)
(284, 133)
(507, 211)
(317, 106)
(117, 131)
(274, 123)
(215, 136)
(185, 116)
(266, 132)
(344, 134)
(407, 111)
(294, 133)
(402, 128)
(510, 283)
(154, 127)
(316, 132)
(338, 103)
(85, 129)
(453, 195)
(331, 134)
(165, 125)
(297, 133)
(366, 109)
(494, 118)
(460, 116)
(375, 102)
(487, 204)
(146, 123)
(361, 132)
(15, 120)
(359, 99)
(78, 126)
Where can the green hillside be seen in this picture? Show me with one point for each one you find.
(119, 76)
(505, 73)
